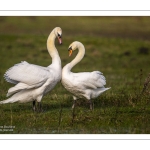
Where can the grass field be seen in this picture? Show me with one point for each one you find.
(117, 46)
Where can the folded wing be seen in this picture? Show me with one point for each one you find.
(92, 80)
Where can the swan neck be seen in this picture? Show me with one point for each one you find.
(52, 49)
(79, 56)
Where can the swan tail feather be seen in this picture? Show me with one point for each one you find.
(22, 86)
(9, 100)
(103, 90)
(12, 91)
(15, 89)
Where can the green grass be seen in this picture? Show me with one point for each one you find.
(117, 46)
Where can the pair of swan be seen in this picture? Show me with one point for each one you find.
(33, 81)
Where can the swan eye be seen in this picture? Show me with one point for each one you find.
(59, 35)
(70, 48)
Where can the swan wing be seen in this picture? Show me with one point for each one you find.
(98, 78)
(92, 80)
(27, 73)
(22, 86)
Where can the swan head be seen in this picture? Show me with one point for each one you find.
(58, 34)
(73, 46)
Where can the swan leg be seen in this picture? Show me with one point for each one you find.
(74, 102)
(39, 107)
(91, 105)
(34, 105)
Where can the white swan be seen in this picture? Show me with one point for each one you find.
(33, 81)
(87, 85)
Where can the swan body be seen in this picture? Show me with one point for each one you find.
(31, 81)
(88, 85)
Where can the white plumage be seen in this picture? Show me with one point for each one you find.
(87, 85)
(33, 81)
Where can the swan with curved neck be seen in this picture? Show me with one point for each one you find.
(88, 85)
(31, 81)
(80, 55)
(56, 32)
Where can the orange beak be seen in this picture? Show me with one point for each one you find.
(70, 52)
